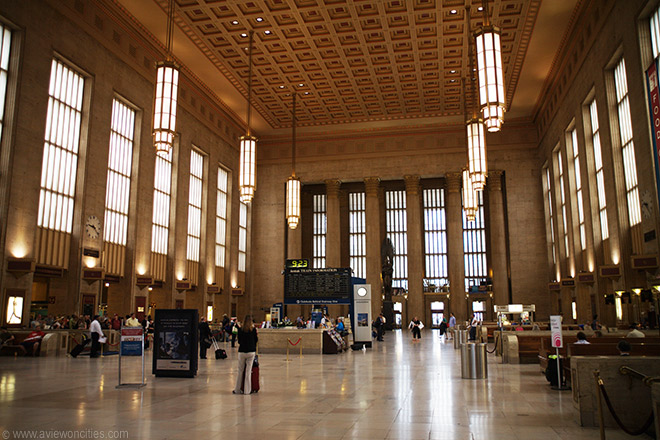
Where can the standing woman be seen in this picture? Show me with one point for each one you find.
(416, 326)
(247, 348)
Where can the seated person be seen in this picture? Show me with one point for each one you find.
(624, 347)
(6, 338)
(340, 327)
(581, 338)
(635, 332)
(32, 342)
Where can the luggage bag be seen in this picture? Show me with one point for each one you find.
(219, 352)
(254, 378)
(80, 347)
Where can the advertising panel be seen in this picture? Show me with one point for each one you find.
(175, 343)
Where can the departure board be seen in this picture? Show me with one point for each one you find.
(317, 286)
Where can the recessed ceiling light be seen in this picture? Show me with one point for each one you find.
(453, 11)
(452, 71)
(244, 35)
(301, 84)
(281, 87)
(267, 32)
(259, 19)
(480, 8)
(306, 93)
(453, 80)
(234, 22)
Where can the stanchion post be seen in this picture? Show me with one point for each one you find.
(601, 419)
(559, 384)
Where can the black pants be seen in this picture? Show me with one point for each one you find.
(202, 348)
(233, 339)
(96, 347)
(417, 333)
(380, 331)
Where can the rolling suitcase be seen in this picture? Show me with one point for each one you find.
(219, 352)
(80, 347)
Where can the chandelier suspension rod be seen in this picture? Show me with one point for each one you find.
(485, 8)
(249, 109)
(169, 36)
(473, 75)
(293, 142)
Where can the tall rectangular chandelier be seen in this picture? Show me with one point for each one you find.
(490, 73)
(166, 94)
(247, 176)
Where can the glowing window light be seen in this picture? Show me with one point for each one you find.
(627, 145)
(195, 206)
(242, 236)
(60, 157)
(320, 232)
(598, 168)
(357, 234)
(120, 163)
(221, 217)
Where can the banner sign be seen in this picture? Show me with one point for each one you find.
(555, 330)
(131, 341)
(654, 113)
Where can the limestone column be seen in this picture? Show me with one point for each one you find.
(294, 243)
(332, 238)
(497, 238)
(415, 249)
(372, 220)
(456, 263)
(567, 304)
(583, 303)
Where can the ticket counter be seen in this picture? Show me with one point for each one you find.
(275, 340)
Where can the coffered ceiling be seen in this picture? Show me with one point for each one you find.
(357, 62)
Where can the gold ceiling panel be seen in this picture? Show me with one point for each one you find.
(353, 60)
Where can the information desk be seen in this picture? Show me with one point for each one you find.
(275, 340)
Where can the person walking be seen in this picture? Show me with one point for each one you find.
(204, 337)
(247, 349)
(379, 325)
(443, 327)
(96, 333)
(416, 327)
(452, 326)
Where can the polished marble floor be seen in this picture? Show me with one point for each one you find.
(397, 390)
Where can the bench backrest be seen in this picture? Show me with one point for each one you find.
(610, 349)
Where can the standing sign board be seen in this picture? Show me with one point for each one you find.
(131, 343)
(555, 329)
(361, 324)
(175, 343)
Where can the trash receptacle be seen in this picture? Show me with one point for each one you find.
(474, 364)
(460, 338)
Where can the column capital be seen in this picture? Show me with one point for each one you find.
(454, 182)
(494, 182)
(412, 184)
(332, 187)
(371, 185)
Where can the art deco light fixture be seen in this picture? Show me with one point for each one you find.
(475, 129)
(165, 96)
(491, 76)
(247, 177)
(470, 205)
(293, 183)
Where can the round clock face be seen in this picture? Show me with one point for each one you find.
(93, 227)
(361, 291)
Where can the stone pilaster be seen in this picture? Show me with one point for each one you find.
(333, 238)
(497, 238)
(453, 209)
(415, 248)
(372, 219)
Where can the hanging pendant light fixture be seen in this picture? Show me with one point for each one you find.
(293, 183)
(475, 129)
(166, 94)
(470, 205)
(491, 76)
(247, 177)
